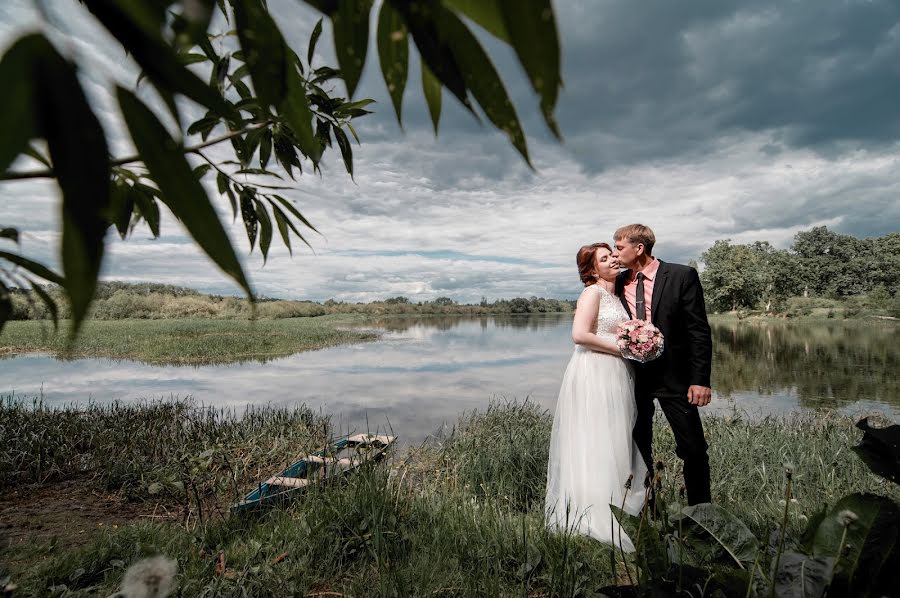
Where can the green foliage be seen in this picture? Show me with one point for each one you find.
(189, 336)
(821, 263)
(143, 449)
(852, 550)
(290, 112)
(449, 517)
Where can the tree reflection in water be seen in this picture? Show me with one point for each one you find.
(443, 323)
(827, 364)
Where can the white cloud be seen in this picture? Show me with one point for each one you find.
(462, 216)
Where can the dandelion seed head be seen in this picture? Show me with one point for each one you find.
(846, 517)
(149, 578)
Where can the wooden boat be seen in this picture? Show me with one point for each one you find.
(340, 458)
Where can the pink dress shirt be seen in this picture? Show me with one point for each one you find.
(631, 288)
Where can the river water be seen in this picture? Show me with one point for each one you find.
(424, 373)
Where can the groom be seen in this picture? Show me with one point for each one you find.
(670, 296)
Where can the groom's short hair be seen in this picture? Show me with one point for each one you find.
(637, 233)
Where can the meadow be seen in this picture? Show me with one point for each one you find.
(460, 515)
(185, 340)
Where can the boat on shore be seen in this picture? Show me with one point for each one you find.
(338, 459)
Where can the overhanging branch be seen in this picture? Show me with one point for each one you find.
(50, 174)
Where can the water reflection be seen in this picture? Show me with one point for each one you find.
(427, 371)
(826, 364)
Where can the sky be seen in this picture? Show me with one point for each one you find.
(712, 119)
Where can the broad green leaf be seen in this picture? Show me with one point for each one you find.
(725, 529)
(181, 191)
(295, 212)
(248, 214)
(139, 33)
(265, 229)
(121, 207)
(17, 120)
(346, 150)
(80, 157)
(422, 18)
(313, 39)
(264, 50)
(486, 13)
(325, 73)
(32, 266)
(293, 227)
(204, 126)
(861, 532)
(483, 81)
(880, 449)
(233, 201)
(147, 208)
(282, 221)
(285, 154)
(201, 170)
(533, 35)
(432, 90)
(191, 58)
(393, 53)
(265, 149)
(350, 24)
(802, 576)
(651, 549)
(295, 110)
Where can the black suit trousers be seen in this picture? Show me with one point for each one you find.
(690, 443)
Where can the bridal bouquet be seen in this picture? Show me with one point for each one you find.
(640, 341)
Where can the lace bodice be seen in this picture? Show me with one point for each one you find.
(610, 314)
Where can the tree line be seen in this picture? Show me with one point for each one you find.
(820, 263)
(116, 300)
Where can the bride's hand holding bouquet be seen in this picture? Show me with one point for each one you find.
(639, 341)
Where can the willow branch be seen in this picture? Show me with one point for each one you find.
(193, 149)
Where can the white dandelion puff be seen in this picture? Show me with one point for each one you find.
(846, 517)
(149, 578)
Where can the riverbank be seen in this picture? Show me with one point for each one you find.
(185, 341)
(461, 515)
(818, 309)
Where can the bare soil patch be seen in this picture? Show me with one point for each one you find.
(67, 511)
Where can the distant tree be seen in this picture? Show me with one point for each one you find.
(731, 277)
(779, 277)
(519, 305)
(886, 263)
(444, 301)
(400, 300)
(833, 264)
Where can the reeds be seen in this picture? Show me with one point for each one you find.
(460, 516)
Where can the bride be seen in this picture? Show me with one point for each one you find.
(592, 454)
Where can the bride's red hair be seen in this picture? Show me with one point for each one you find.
(586, 262)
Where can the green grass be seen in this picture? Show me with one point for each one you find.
(461, 516)
(184, 341)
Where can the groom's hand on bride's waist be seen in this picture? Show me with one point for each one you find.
(699, 395)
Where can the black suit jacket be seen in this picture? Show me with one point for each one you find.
(678, 310)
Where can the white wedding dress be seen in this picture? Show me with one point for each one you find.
(592, 453)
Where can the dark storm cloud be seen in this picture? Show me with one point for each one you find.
(662, 79)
